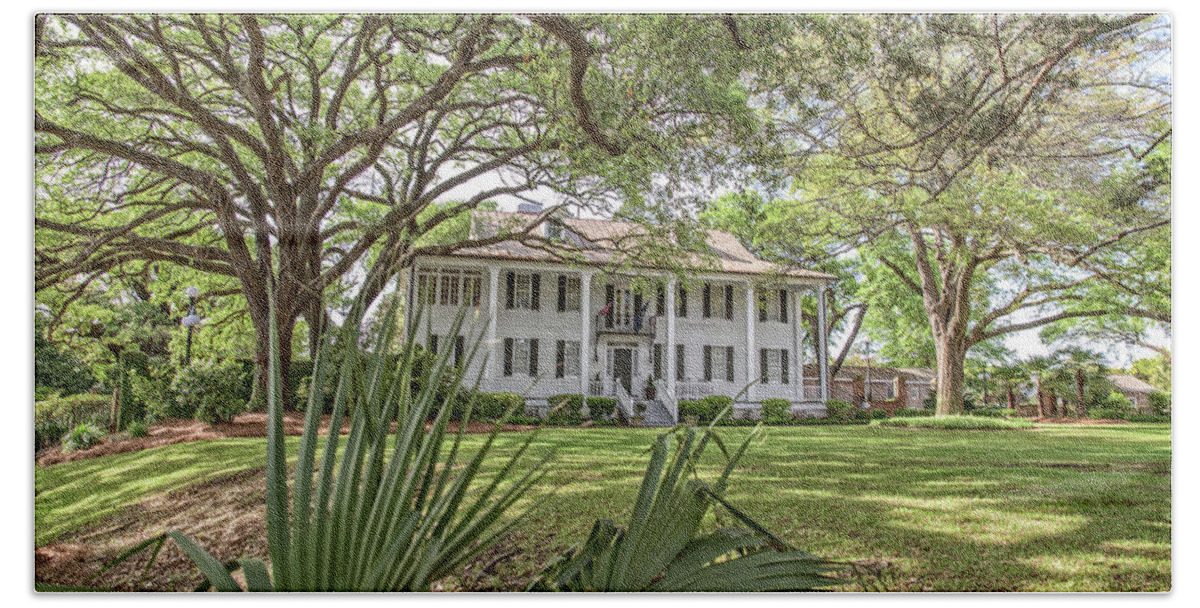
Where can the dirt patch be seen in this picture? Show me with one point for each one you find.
(224, 516)
(253, 424)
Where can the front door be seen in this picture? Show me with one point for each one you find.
(623, 368)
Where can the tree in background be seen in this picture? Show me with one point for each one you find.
(305, 151)
(999, 167)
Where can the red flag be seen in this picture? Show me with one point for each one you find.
(607, 308)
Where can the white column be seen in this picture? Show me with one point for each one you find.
(585, 339)
(669, 356)
(493, 298)
(822, 348)
(751, 317)
(797, 360)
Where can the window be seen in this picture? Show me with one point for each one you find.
(449, 288)
(458, 350)
(520, 356)
(707, 300)
(783, 306)
(660, 301)
(729, 302)
(773, 365)
(658, 362)
(720, 306)
(718, 363)
(568, 293)
(681, 304)
(679, 362)
(762, 307)
(523, 290)
(433, 344)
(566, 359)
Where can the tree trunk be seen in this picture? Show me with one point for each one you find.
(950, 378)
(1012, 400)
(1081, 408)
(1052, 406)
(262, 356)
(1041, 399)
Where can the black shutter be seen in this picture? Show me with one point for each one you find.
(533, 356)
(658, 371)
(707, 300)
(762, 307)
(510, 281)
(729, 363)
(608, 303)
(729, 301)
(660, 302)
(783, 306)
(763, 372)
(679, 362)
(508, 356)
(535, 288)
(433, 344)
(562, 293)
(682, 312)
(707, 363)
(637, 305)
(560, 364)
(458, 350)
(784, 372)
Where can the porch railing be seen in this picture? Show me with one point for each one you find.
(624, 401)
(635, 325)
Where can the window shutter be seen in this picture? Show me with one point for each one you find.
(707, 300)
(535, 291)
(658, 371)
(637, 305)
(562, 293)
(763, 371)
(707, 363)
(679, 367)
(682, 312)
(510, 280)
(729, 363)
(729, 301)
(458, 350)
(433, 344)
(608, 303)
(762, 307)
(660, 302)
(784, 372)
(560, 363)
(533, 355)
(508, 356)
(783, 306)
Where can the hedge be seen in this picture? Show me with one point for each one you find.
(565, 408)
(53, 418)
(775, 411)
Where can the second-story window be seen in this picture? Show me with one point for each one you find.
(568, 293)
(523, 290)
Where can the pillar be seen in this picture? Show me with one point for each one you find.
(493, 350)
(822, 347)
(669, 356)
(585, 338)
(750, 319)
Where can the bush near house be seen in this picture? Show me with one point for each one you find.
(1159, 401)
(776, 411)
(601, 408)
(837, 409)
(1157, 418)
(911, 413)
(704, 410)
(490, 407)
(565, 408)
(1113, 407)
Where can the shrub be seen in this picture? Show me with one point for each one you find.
(838, 409)
(151, 392)
(565, 408)
(1108, 413)
(137, 428)
(911, 413)
(210, 390)
(52, 418)
(776, 411)
(601, 408)
(989, 412)
(82, 437)
(490, 407)
(715, 404)
(57, 368)
(957, 422)
(689, 408)
(1160, 402)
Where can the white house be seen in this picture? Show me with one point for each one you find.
(586, 318)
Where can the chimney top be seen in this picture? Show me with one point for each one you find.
(529, 208)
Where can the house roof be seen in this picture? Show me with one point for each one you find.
(1130, 384)
(603, 242)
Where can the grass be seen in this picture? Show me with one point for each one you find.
(958, 422)
(1053, 508)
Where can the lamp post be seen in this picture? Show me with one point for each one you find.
(190, 322)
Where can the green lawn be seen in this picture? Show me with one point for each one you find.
(1055, 508)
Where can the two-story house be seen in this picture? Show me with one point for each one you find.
(554, 324)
